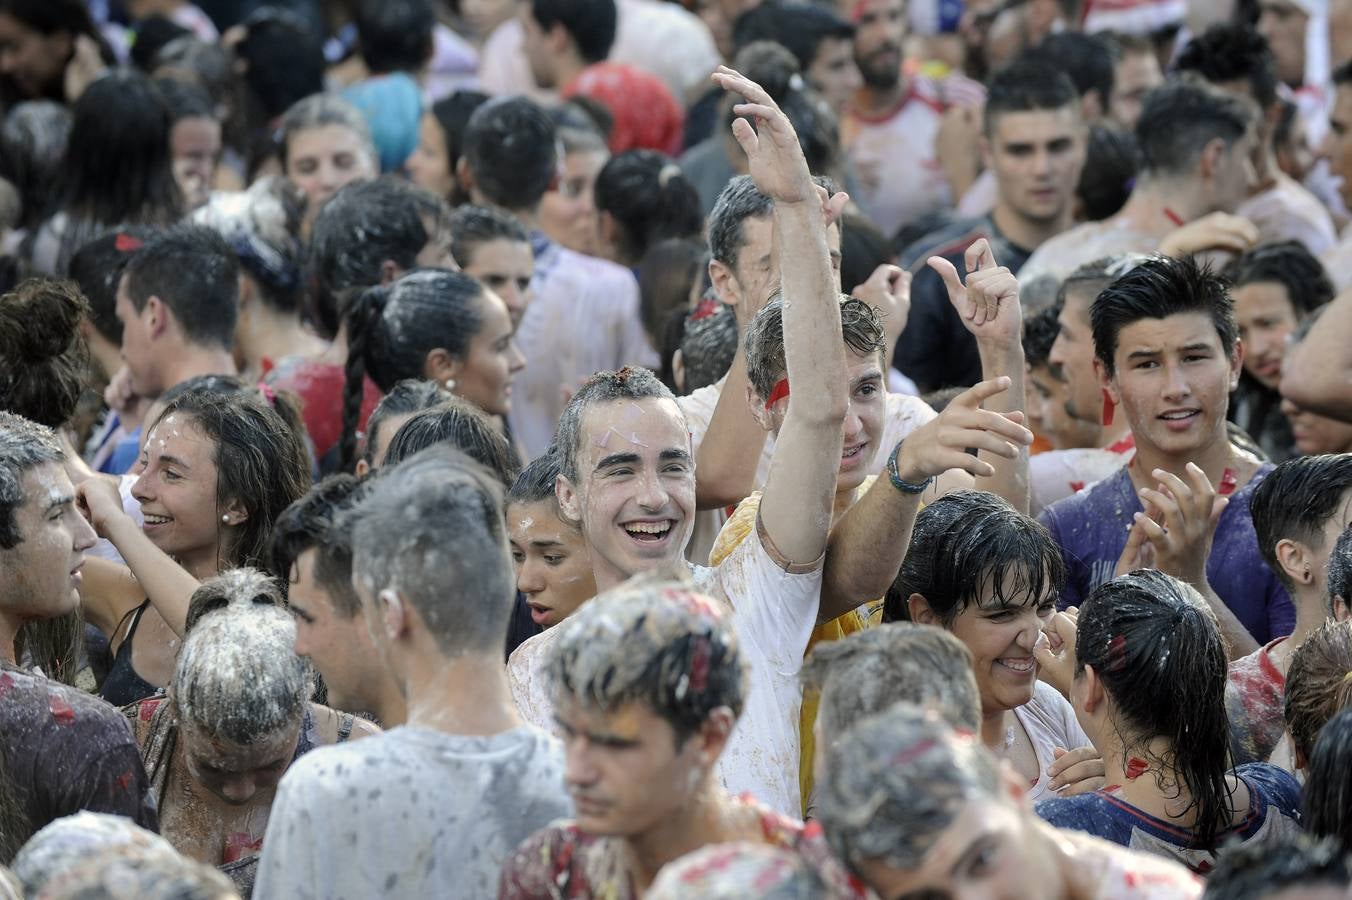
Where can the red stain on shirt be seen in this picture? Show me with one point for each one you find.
(61, 710)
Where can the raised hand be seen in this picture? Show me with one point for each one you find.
(941, 443)
(99, 500)
(1055, 651)
(1179, 523)
(774, 157)
(988, 303)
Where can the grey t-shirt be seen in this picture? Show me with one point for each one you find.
(410, 813)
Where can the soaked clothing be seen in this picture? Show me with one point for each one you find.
(156, 726)
(1255, 703)
(320, 387)
(67, 751)
(1274, 814)
(410, 813)
(1121, 874)
(1049, 721)
(1091, 529)
(122, 684)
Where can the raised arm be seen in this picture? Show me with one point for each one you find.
(727, 456)
(1317, 373)
(110, 590)
(795, 508)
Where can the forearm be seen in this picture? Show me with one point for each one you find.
(866, 547)
(167, 585)
(1010, 479)
(727, 457)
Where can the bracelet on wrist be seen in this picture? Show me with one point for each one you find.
(901, 484)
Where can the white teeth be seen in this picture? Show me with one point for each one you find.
(853, 451)
(649, 527)
(1178, 415)
(1020, 665)
(157, 520)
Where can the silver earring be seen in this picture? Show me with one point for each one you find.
(225, 519)
(450, 384)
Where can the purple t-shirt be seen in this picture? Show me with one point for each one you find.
(1091, 529)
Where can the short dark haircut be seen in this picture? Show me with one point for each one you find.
(1086, 58)
(764, 340)
(97, 268)
(1340, 570)
(474, 225)
(511, 152)
(968, 540)
(590, 23)
(463, 426)
(412, 395)
(284, 61)
(535, 483)
(394, 35)
(1180, 117)
(310, 523)
(739, 200)
(1029, 84)
(1158, 288)
(1228, 52)
(1316, 684)
(1295, 501)
(1039, 333)
(1290, 264)
(1327, 813)
(1256, 872)
(1111, 163)
(798, 27)
(708, 344)
(194, 273)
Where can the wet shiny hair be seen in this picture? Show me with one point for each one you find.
(33, 138)
(238, 677)
(310, 523)
(1317, 684)
(764, 340)
(653, 640)
(194, 273)
(412, 395)
(649, 198)
(966, 542)
(1340, 571)
(629, 383)
(1260, 870)
(43, 358)
(1160, 657)
(463, 426)
(1295, 502)
(1328, 782)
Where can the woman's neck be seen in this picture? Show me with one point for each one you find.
(273, 336)
(1138, 778)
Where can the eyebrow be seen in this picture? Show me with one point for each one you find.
(54, 502)
(166, 460)
(617, 459)
(674, 454)
(544, 544)
(873, 375)
(1156, 352)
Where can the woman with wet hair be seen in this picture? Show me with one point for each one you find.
(1328, 782)
(216, 469)
(642, 198)
(433, 324)
(236, 716)
(1149, 688)
(1317, 687)
(403, 401)
(463, 426)
(325, 145)
(990, 575)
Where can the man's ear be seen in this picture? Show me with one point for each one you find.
(764, 417)
(464, 176)
(1092, 106)
(921, 612)
(1211, 159)
(1236, 363)
(394, 615)
(1340, 609)
(984, 143)
(570, 503)
(155, 315)
(678, 370)
(246, 292)
(724, 283)
(713, 735)
(1294, 559)
(1107, 382)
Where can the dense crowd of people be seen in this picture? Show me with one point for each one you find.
(675, 448)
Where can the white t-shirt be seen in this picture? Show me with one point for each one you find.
(1289, 212)
(1067, 251)
(410, 813)
(1050, 722)
(1056, 474)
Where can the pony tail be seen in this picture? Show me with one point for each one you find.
(363, 315)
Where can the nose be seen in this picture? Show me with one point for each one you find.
(854, 425)
(1289, 409)
(653, 496)
(84, 534)
(516, 360)
(529, 579)
(578, 768)
(1176, 383)
(140, 489)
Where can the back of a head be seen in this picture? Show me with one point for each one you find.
(1157, 288)
(590, 23)
(364, 225)
(629, 383)
(185, 100)
(412, 395)
(1231, 52)
(33, 139)
(798, 27)
(649, 199)
(1111, 163)
(463, 426)
(193, 272)
(284, 62)
(766, 362)
(117, 166)
(436, 520)
(895, 782)
(1296, 501)
(1085, 58)
(1328, 783)
(1285, 868)
(965, 540)
(865, 673)
(652, 640)
(863, 248)
(511, 152)
(262, 226)
(1039, 333)
(394, 35)
(24, 445)
(1289, 264)
(708, 344)
(1340, 572)
(209, 66)
(535, 483)
(1182, 116)
(97, 268)
(738, 871)
(42, 354)
(238, 678)
(1031, 83)
(1317, 685)
(739, 200)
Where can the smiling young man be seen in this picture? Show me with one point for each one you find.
(1167, 355)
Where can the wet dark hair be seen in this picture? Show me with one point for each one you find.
(392, 328)
(1340, 570)
(463, 426)
(1158, 288)
(511, 152)
(1031, 83)
(261, 463)
(798, 27)
(739, 200)
(117, 166)
(1295, 501)
(1328, 783)
(1085, 58)
(24, 445)
(666, 275)
(1039, 333)
(1290, 264)
(194, 273)
(863, 248)
(394, 35)
(1111, 163)
(535, 483)
(33, 139)
(284, 63)
(967, 541)
(150, 35)
(629, 383)
(1260, 870)
(310, 523)
(452, 114)
(590, 23)
(1317, 685)
(648, 197)
(362, 226)
(206, 66)
(1180, 117)
(474, 225)
(1231, 51)
(43, 357)
(764, 339)
(97, 268)
(1159, 655)
(708, 344)
(408, 396)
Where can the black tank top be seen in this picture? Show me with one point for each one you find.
(123, 685)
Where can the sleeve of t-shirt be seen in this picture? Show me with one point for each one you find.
(113, 782)
(775, 602)
(289, 866)
(1071, 594)
(1277, 785)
